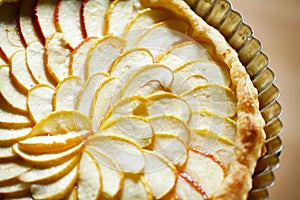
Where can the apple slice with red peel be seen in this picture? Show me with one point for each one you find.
(15, 188)
(87, 93)
(11, 94)
(10, 136)
(119, 15)
(25, 22)
(36, 64)
(20, 72)
(67, 20)
(57, 189)
(93, 17)
(79, 56)
(124, 152)
(57, 56)
(165, 103)
(211, 97)
(89, 185)
(105, 51)
(66, 93)
(160, 176)
(44, 17)
(112, 176)
(106, 95)
(11, 170)
(49, 173)
(39, 101)
(133, 127)
(147, 79)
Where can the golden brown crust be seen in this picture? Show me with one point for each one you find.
(250, 134)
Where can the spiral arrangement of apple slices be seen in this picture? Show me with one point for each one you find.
(108, 99)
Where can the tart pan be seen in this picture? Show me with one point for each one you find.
(219, 14)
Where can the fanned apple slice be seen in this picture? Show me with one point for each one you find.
(11, 94)
(126, 153)
(171, 124)
(103, 53)
(79, 56)
(72, 195)
(66, 93)
(147, 79)
(15, 188)
(25, 22)
(160, 176)
(53, 144)
(133, 127)
(135, 187)
(57, 56)
(57, 189)
(44, 17)
(10, 118)
(12, 135)
(87, 93)
(89, 184)
(60, 122)
(44, 160)
(106, 95)
(164, 103)
(223, 126)
(119, 15)
(186, 51)
(187, 190)
(39, 101)
(112, 176)
(11, 170)
(130, 60)
(211, 97)
(49, 173)
(93, 17)
(67, 20)
(36, 64)
(7, 153)
(20, 72)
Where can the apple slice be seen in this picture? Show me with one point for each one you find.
(112, 176)
(165, 124)
(187, 190)
(164, 103)
(60, 122)
(39, 101)
(87, 93)
(7, 153)
(147, 79)
(89, 184)
(66, 93)
(160, 176)
(12, 135)
(186, 51)
(44, 17)
(223, 126)
(57, 189)
(53, 144)
(49, 173)
(72, 195)
(133, 127)
(211, 97)
(119, 15)
(57, 56)
(130, 60)
(171, 147)
(67, 20)
(126, 153)
(106, 96)
(14, 189)
(103, 53)
(11, 170)
(36, 64)
(20, 72)
(79, 56)
(25, 22)
(135, 187)
(44, 160)
(11, 94)
(93, 17)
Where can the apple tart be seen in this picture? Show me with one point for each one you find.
(124, 99)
